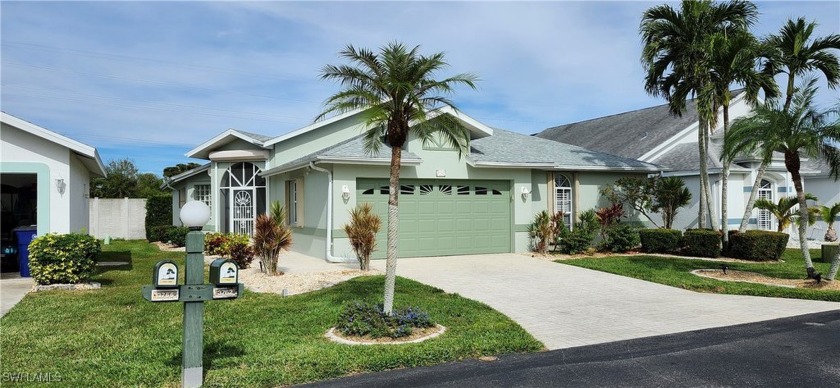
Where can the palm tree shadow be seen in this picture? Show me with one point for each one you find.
(213, 352)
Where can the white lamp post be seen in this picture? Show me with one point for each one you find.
(194, 215)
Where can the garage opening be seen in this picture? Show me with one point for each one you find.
(18, 208)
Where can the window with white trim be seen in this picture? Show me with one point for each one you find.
(563, 198)
(765, 218)
(294, 202)
(202, 193)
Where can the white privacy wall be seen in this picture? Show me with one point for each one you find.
(118, 218)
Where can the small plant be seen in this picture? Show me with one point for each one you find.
(241, 254)
(541, 232)
(214, 242)
(159, 233)
(367, 320)
(828, 214)
(361, 230)
(784, 211)
(63, 258)
(580, 238)
(177, 235)
(621, 238)
(271, 236)
(608, 217)
(669, 195)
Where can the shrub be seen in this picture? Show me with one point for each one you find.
(241, 254)
(368, 320)
(214, 243)
(621, 238)
(271, 236)
(361, 230)
(660, 240)
(159, 233)
(609, 217)
(63, 258)
(575, 241)
(758, 245)
(540, 231)
(158, 212)
(701, 243)
(177, 235)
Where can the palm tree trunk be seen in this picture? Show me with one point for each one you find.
(393, 230)
(792, 163)
(724, 191)
(701, 216)
(753, 194)
(835, 265)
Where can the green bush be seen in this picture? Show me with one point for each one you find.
(621, 238)
(701, 243)
(367, 320)
(575, 241)
(158, 212)
(660, 240)
(159, 233)
(177, 235)
(213, 243)
(758, 245)
(63, 258)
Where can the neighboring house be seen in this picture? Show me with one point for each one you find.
(480, 202)
(44, 178)
(656, 136)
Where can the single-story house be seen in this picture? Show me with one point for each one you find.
(44, 178)
(654, 135)
(478, 202)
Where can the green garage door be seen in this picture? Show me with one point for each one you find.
(443, 217)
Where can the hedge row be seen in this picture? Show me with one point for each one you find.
(751, 245)
(757, 245)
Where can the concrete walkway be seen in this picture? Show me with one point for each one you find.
(12, 289)
(565, 306)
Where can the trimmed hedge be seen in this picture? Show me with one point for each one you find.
(660, 240)
(758, 245)
(622, 238)
(158, 213)
(177, 235)
(159, 233)
(63, 258)
(701, 243)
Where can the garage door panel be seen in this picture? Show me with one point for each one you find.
(444, 217)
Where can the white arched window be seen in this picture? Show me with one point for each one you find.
(563, 198)
(243, 194)
(765, 218)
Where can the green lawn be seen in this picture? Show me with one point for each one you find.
(113, 337)
(674, 271)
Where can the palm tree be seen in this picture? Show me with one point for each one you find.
(677, 65)
(784, 212)
(398, 92)
(794, 53)
(734, 56)
(828, 214)
(798, 131)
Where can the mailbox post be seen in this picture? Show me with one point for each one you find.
(224, 275)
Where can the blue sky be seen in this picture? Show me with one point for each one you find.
(151, 80)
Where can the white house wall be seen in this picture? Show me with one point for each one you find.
(21, 147)
(77, 195)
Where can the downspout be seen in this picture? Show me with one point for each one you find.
(329, 242)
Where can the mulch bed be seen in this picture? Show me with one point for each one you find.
(752, 277)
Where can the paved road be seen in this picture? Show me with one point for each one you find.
(788, 352)
(565, 306)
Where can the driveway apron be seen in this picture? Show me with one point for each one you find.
(565, 306)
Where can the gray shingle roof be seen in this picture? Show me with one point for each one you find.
(255, 136)
(630, 134)
(509, 147)
(351, 149)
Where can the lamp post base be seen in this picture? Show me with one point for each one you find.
(192, 377)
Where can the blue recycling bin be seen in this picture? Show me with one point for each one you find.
(24, 235)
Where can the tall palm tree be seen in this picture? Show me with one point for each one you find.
(794, 53)
(677, 65)
(734, 56)
(398, 92)
(784, 212)
(798, 131)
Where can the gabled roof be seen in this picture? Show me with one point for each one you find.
(350, 151)
(203, 150)
(185, 175)
(630, 134)
(510, 149)
(89, 156)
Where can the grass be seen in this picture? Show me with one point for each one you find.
(674, 271)
(113, 337)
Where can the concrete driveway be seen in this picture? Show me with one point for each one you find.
(565, 306)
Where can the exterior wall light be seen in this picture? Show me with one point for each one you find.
(525, 192)
(60, 186)
(345, 192)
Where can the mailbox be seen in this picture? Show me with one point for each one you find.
(165, 274)
(224, 272)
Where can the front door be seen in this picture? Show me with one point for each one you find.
(244, 210)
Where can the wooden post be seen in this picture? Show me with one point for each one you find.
(192, 367)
